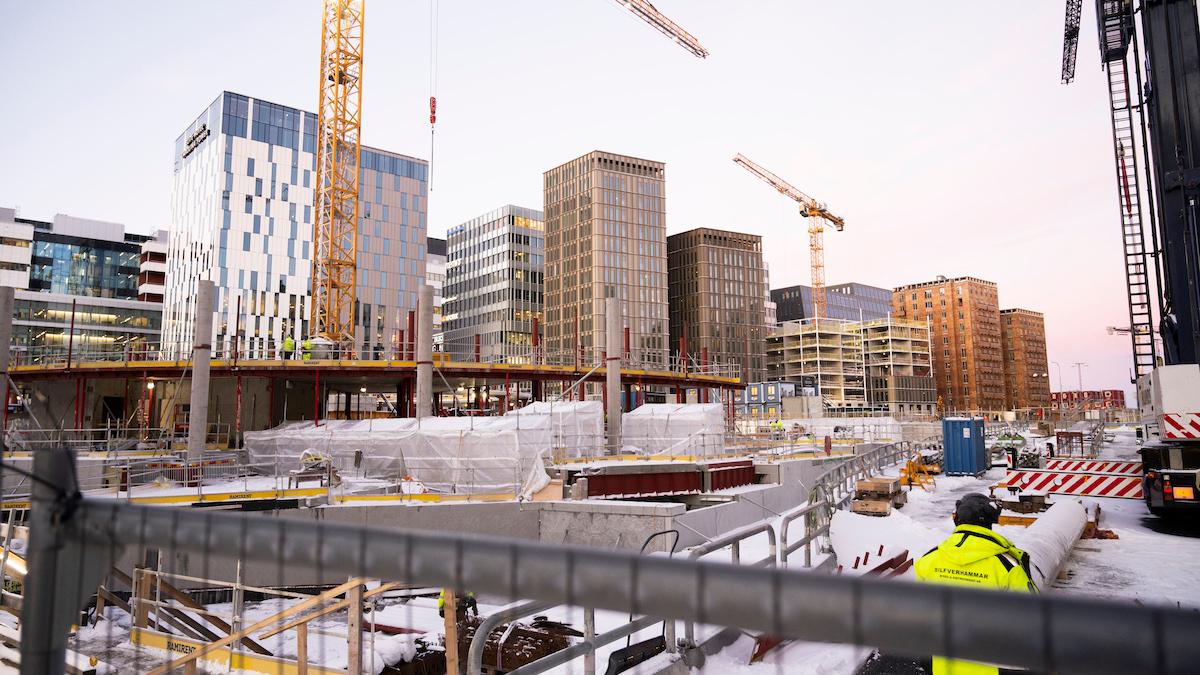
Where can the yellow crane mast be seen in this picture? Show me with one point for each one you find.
(335, 232)
(817, 216)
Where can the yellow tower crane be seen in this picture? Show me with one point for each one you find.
(817, 216)
(335, 232)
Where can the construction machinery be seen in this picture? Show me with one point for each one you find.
(818, 216)
(648, 13)
(339, 127)
(1156, 116)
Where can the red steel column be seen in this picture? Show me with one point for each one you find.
(703, 369)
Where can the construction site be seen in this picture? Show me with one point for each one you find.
(608, 488)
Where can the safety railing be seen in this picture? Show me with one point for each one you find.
(816, 518)
(835, 487)
(1053, 633)
(658, 360)
(733, 540)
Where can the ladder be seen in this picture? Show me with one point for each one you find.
(1116, 24)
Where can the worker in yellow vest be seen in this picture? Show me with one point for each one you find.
(975, 556)
(306, 346)
(466, 602)
(289, 347)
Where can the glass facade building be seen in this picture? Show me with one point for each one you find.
(91, 264)
(847, 302)
(606, 237)
(494, 284)
(242, 216)
(717, 289)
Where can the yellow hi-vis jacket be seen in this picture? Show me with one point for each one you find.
(975, 556)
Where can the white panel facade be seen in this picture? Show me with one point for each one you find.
(242, 216)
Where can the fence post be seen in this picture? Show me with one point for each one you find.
(63, 573)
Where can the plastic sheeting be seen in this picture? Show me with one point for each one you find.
(869, 429)
(696, 429)
(576, 427)
(454, 455)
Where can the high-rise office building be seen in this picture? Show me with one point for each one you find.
(90, 266)
(964, 314)
(716, 291)
(242, 216)
(435, 275)
(1026, 368)
(606, 237)
(848, 302)
(494, 281)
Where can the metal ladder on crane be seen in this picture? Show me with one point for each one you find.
(1116, 33)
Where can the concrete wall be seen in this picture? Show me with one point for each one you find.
(919, 431)
(606, 524)
(701, 525)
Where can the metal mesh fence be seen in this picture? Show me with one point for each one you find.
(104, 585)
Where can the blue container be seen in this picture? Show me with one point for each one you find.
(962, 441)
(770, 392)
(754, 392)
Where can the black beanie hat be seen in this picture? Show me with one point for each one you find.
(976, 509)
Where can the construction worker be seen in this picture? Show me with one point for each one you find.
(289, 347)
(975, 556)
(464, 603)
(306, 346)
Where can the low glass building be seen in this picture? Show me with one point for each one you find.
(79, 289)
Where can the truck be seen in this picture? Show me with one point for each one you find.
(1169, 401)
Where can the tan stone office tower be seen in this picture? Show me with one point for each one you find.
(1026, 368)
(964, 314)
(606, 237)
(717, 287)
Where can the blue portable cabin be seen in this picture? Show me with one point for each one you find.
(963, 445)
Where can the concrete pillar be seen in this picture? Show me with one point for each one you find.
(425, 352)
(201, 363)
(6, 325)
(613, 325)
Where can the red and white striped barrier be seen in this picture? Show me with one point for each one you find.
(1080, 484)
(1122, 468)
(1181, 426)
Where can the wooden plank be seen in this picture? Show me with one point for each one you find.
(328, 609)
(302, 649)
(187, 601)
(301, 607)
(450, 616)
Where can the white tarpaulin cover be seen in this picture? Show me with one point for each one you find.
(577, 427)
(675, 429)
(456, 455)
(870, 429)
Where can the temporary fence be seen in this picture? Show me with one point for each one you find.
(74, 542)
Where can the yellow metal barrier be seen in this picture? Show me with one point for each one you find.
(237, 660)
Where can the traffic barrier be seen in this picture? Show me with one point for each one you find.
(1121, 468)
(1181, 426)
(1079, 484)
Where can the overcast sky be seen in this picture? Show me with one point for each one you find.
(937, 129)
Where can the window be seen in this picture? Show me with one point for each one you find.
(249, 203)
(245, 241)
(257, 187)
(249, 166)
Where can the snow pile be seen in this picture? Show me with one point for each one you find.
(1048, 541)
(576, 427)
(696, 429)
(458, 455)
(853, 535)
